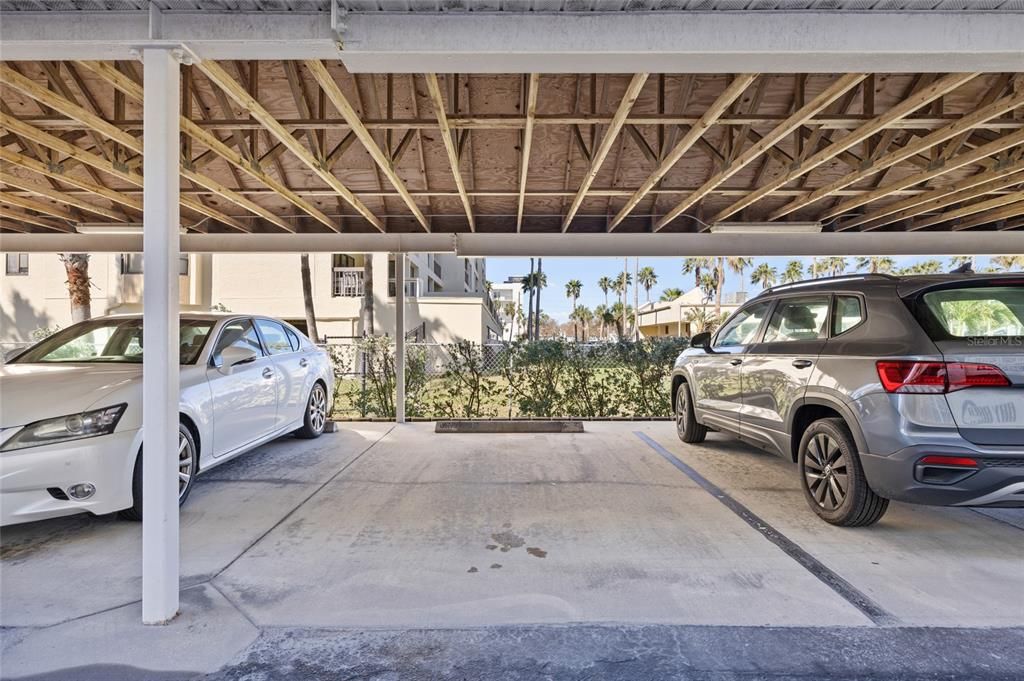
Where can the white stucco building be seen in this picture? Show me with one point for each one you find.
(446, 299)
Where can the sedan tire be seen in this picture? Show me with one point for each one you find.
(188, 467)
(316, 414)
(832, 478)
(687, 428)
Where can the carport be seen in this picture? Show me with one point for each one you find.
(535, 128)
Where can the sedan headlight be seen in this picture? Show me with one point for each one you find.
(66, 428)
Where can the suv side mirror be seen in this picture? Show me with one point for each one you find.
(701, 340)
(232, 356)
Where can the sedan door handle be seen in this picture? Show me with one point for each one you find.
(268, 373)
(736, 362)
(802, 363)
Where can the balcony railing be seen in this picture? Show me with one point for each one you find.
(348, 282)
(412, 288)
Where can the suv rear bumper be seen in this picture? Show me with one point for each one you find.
(999, 480)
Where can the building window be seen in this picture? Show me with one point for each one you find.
(344, 260)
(131, 263)
(17, 264)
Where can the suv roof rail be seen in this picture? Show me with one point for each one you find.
(826, 280)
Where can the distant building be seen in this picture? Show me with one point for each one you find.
(674, 317)
(446, 299)
(509, 291)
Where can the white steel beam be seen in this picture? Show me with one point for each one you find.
(160, 334)
(399, 337)
(539, 42)
(572, 244)
(683, 42)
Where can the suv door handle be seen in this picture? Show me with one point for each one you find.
(736, 362)
(268, 372)
(303, 362)
(802, 363)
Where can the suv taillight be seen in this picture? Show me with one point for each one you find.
(938, 377)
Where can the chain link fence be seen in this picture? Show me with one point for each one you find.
(539, 379)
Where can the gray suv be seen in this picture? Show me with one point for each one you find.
(878, 387)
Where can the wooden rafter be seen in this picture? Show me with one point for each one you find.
(940, 197)
(235, 91)
(37, 206)
(953, 130)
(791, 123)
(969, 209)
(434, 89)
(205, 137)
(696, 132)
(20, 216)
(958, 161)
(636, 84)
(932, 92)
(1014, 210)
(99, 163)
(337, 98)
(532, 89)
(54, 194)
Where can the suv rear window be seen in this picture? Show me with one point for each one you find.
(982, 311)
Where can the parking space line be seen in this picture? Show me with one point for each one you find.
(848, 592)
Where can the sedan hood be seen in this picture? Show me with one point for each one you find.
(30, 392)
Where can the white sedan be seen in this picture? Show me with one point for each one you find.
(71, 408)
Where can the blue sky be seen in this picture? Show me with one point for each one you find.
(589, 270)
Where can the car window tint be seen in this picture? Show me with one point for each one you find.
(798, 319)
(241, 333)
(742, 328)
(847, 314)
(979, 311)
(274, 336)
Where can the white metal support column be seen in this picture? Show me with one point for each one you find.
(399, 337)
(161, 224)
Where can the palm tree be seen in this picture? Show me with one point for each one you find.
(1008, 263)
(738, 265)
(764, 275)
(572, 290)
(307, 297)
(509, 311)
(76, 266)
(528, 289)
(835, 265)
(622, 283)
(670, 294)
(581, 315)
(599, 315)
(695, 265)
(647, 278)
(366, 311)
(540, 282)
(708, 285)
(607, 316)
(605, 284)
(874, 265)
(794, 271)
(930, 266)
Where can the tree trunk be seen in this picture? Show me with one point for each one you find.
(537, 315)
(76, 265)
(636, 299)
(720, 280)
(366, 313)
(307, 299)
(529, 306)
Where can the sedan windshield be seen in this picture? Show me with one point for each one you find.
(112, 340)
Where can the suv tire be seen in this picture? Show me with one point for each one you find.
(687, 428)
(832, 478)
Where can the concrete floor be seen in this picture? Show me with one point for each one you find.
(449, 539)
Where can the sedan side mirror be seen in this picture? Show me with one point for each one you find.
(232, 356)
(702, 340)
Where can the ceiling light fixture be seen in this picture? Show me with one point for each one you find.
(766, 227)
